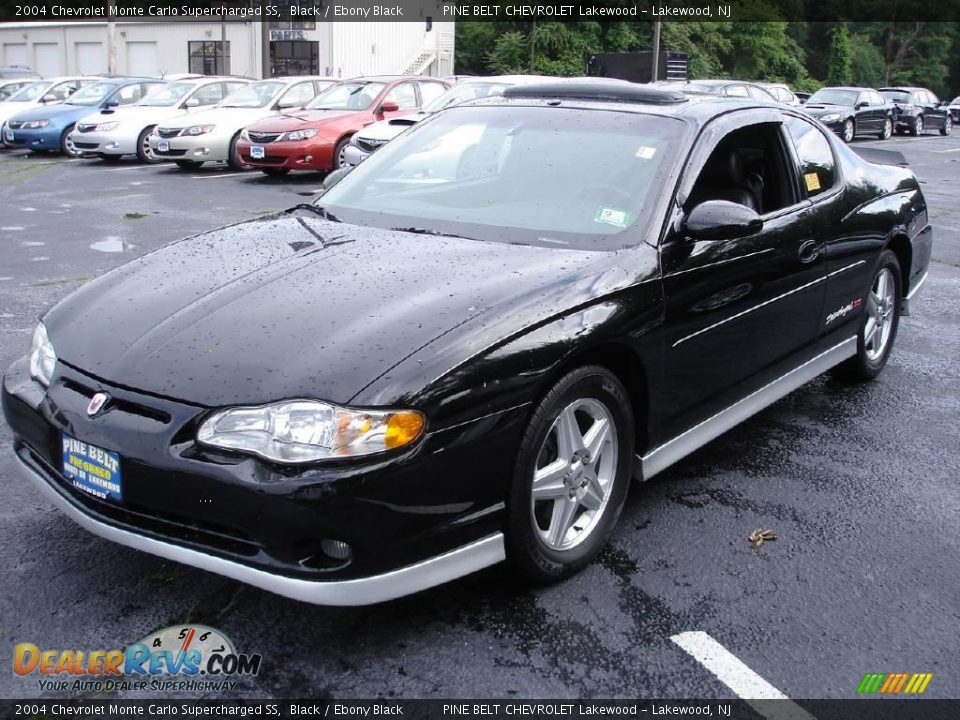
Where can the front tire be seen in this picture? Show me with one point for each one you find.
(571, 476)
(339, 160)
(881, 319)
(917, 127)
(849, 130)
(145, 153)
(233, 158)
(67, 148)
(947, 126)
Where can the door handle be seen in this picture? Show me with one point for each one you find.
(809, 251)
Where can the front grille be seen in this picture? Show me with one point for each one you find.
(126, 406)
(370, 145)
(85, 146)
(264, 160)
(86, 128)
(263, 137)
(168, 132)
(171, 153)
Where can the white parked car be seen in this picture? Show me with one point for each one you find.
(781, 92)
(44, 92)
(372, 137)
(114, 132)
(11, 86)
(192, 139)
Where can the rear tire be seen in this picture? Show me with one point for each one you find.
(887, 129)
(947, 126)
(338, 161)
(233, 158)
(66, 144)
(145, 153)
(881, 319)
(571, 476)
(188, 164)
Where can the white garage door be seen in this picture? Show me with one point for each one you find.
(142, 59)
(91, 58)
(16, 54)
(47, 59)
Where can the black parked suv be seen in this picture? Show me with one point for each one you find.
(917, 110)
(852, 111)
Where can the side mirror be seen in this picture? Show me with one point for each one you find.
(353, 156)
(862, 104)
(721, 220)
(336, 176)
(388, 106)
(48, 98)
(111, 106)
(288, 105)
(191, 103)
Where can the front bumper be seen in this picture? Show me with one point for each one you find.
(104, 143)
(198, 148)
(306, 155)
(42, 139)
(414, 521)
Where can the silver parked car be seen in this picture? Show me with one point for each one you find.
(114, 132)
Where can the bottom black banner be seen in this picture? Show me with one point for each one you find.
(874, 709)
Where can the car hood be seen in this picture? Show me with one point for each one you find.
(299, 119)
(389, 129)
(135, 114)
(818, 109)
(233, 117)
(288, 306)
(58, 111)
(9, 109)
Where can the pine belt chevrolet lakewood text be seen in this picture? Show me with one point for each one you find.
(466, 347)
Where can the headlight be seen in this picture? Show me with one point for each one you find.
(300, 135)
(107, 127)
(298, 431)
(42, 357)
(198, 129)
(34, 124)
(832, 117)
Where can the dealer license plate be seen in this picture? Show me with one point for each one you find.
(163, 146)
(256, 152)
(92, 469)
(8, 135)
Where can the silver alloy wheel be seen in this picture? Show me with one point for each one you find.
(848, 131)
(880, 307)
(887, 129)
(918, 125)
(948, 125)
(342, 157)
(69, 147)
(147, 150)
(574, 475)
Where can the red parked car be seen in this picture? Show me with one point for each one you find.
(316, 137)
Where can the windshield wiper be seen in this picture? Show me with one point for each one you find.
(425, 231)
(315, 209)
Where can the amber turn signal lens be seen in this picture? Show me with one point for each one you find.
(403, 428)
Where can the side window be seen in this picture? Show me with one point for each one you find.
(818, 169)
(757, 93)
(207, 95)
(750, 167)
(933, 99)
(430, 91)
(736, 91)
(876, 98)
(300, 94)
(403, 95)
(63, 90)
(229, 87)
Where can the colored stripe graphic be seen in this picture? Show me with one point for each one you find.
(894, 683)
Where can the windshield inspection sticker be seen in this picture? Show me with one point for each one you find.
(609, 216)
(813, 182)
(645, 152)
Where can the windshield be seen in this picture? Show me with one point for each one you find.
(834, 97)
(494, 173)
(896, 95)
(256, 95)
(166, 95)
(462, 93)
(347, 96)
(31, 92)
(91, 94)
(702, 87)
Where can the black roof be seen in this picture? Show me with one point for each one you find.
(612, 91)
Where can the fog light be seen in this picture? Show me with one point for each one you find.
(112, 146)
(201, 151)
(336, 549)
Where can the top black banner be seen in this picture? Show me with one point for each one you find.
(887, 11)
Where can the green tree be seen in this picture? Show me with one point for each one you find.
(840, 71)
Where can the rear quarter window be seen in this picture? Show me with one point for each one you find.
(818, 166)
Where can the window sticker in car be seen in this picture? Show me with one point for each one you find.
(610, 216)
(646, 152)
(813, 182)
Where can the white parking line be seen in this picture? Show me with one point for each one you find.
(743, 681)
(139, 167)
(951, 150)
(215, 177)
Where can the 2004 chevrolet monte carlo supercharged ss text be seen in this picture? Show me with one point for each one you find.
(466, 347)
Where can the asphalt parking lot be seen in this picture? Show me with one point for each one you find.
(859, 483)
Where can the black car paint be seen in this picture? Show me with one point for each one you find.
(931, 109)
(471, 333)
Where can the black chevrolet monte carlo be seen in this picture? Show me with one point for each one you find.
(466, 348)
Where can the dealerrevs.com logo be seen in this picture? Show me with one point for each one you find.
(178, 658)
